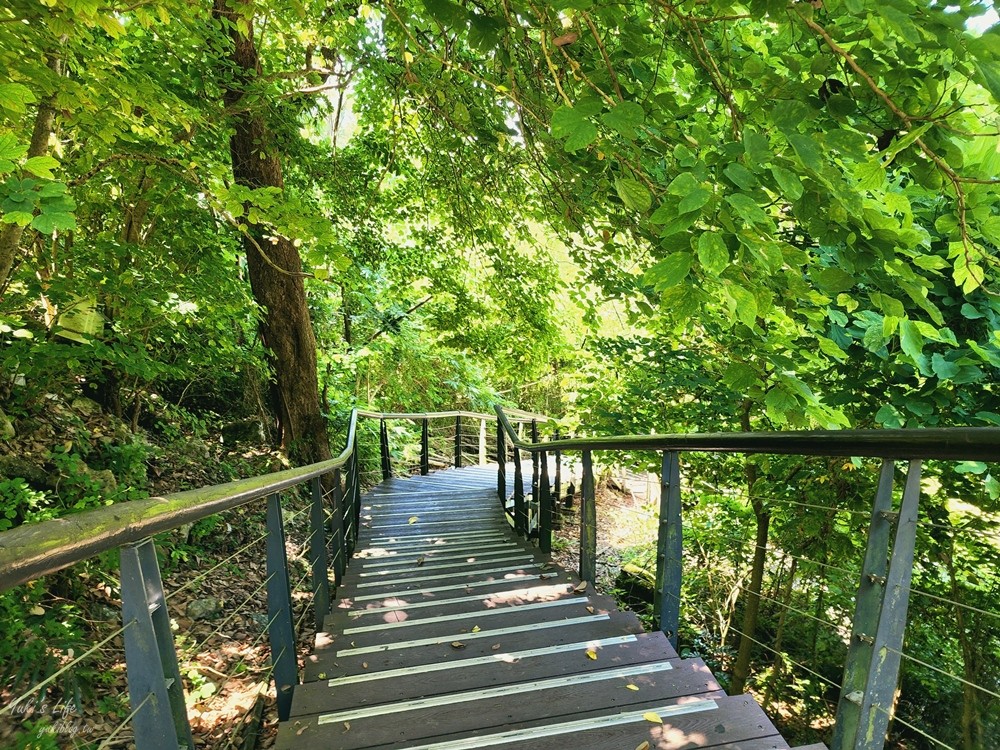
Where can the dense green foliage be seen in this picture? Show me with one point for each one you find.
(704, 215)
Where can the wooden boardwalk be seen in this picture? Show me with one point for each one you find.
(451, 633)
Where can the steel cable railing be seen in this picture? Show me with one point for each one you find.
(820, 519)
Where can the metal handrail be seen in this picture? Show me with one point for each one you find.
(947, 443)
(33, 550)
(519, 415)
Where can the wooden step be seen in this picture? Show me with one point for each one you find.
(501, 707)
(328, 664)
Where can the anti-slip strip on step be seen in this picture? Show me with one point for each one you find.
(432, 522)
(556, 590)
(509, 657)
(443, 576)
(384, 561)
(462, 637)
(499, 691)
(445, 566)
(571, 727)
(451, 587)
(513, 609)
(430, 535)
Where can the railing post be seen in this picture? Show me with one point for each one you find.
(356, 499)
(482, 442)
(351, 495)
(458, 442)
(520, 511)
(669, 549)
(337, 529)
(501, 465)
(317, 554)
(557, 491)
(534, 474)
(871, 674)
(425, 447)
(279, 611)
(154, 680)
(544, 506)
(588, 521)
(383, 444)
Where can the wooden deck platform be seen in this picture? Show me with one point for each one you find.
(451, 633)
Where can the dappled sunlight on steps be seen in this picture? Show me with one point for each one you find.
(450, 632)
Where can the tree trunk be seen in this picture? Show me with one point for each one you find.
(10, 234)
(741, 669)
(277, 285)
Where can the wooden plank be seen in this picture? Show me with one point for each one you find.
(566, 698)
(814, 746)
(736, 724)
(501, 668)
(328, 663)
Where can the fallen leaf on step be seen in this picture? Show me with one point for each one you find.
(413, 519)
(590, 609)
(653, 717)
(580, 587)
(420, 560)
(591, 654)
(643, 746)
(495, 647)
(457, 644)
(321, 676)
(475, 628)
(364, 665)
(632, 686)
(300, 731)
(347, 725)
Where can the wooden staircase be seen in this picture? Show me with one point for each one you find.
(452, 633)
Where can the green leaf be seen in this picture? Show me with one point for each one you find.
(789, 182)
(694, 200)
(746, 305)
(15, 97)
(870, 174)
(10, 148)
(670, 271)
(47, 223)
(808, 152)
(971, 467)
(830, 348)
(833, 280)
(21, 218)
(572, 124)
(747, 208)
(944, 369)
(741, 176)
(633, 194)
(910, 339)
(740, 377)
(713, 253)
(989, 76)
(888, 416)
(683, 184)
(41, 166)
(625, 118)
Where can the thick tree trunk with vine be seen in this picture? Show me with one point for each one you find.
(10, 234)
(741, 669)
(276, 281)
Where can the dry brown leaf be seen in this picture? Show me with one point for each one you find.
(653, 717)
(567, 38)
(590, 609)
(347, 725)
(591, 654)
(495, 647)
(580, 587)
(364, 665)
(457, 644)
(300, 731)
